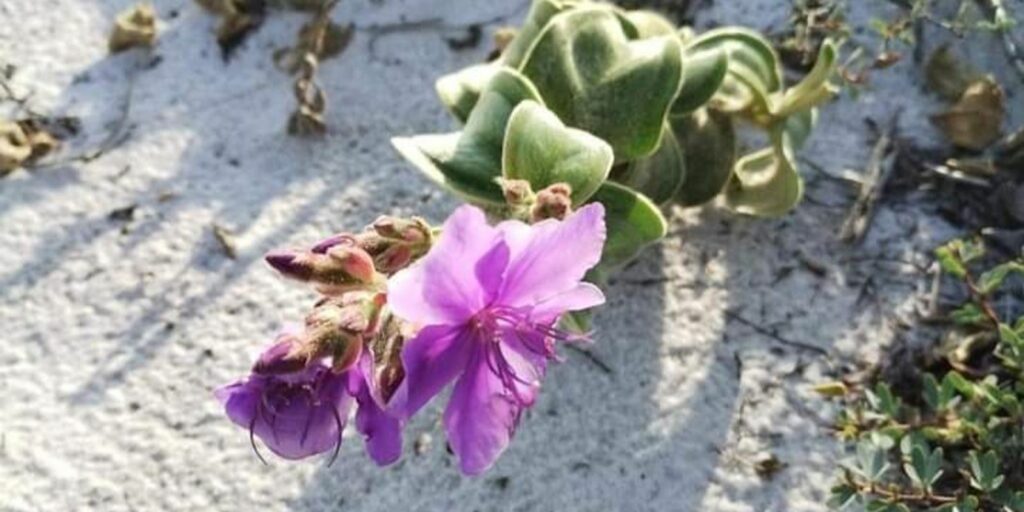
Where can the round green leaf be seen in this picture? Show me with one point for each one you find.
(708, 140)
(540, 149)
(703, 75)
(815, 87)
(649, 24)
(460, 91)
(468, 162)
(633, 222)
(594, 78)
(753, 73)
(660, 175)
(765, 183)
(540, 14)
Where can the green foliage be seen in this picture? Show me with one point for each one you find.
(665, 101)
(540, 149)
(957, 443)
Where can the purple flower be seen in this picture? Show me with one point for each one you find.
(488, 298)
(299, 410)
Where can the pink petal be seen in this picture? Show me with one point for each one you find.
(551, 257)
(440, 289)
(299, 430)
(383, 433)
(482, 415)
(583, 296)
(431, 360)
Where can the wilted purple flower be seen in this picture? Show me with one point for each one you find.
(300, 409)
(488, 298)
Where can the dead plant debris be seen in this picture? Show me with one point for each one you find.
(135, 27)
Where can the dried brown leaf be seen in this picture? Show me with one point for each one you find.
(14, 147)
(226, 240)
(134, 27)
(976, 121)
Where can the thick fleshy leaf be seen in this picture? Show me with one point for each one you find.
(540, 14)
(765, 183)
(460, 91)
(633, 222)
(543, 151)
(709, 145)
(703, 75)
(468, 162)
(753, 72)
(814, 88)
(798, 127)
(660, 175)
(650, 24)
(594, 78)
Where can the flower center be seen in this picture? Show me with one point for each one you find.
(501, 329)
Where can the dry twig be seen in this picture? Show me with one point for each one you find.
(877, 173)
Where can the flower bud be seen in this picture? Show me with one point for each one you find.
(554, 202)
(338, 328)
(517, 192)
(386, 348)
(395, 242)
(279, 359)
(335, 266)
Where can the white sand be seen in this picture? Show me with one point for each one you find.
(114, 333)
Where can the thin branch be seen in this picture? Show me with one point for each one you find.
(732, 315)
(879, 170)
(592, 357)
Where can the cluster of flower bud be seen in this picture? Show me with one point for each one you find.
(552, 202)
(348, 262)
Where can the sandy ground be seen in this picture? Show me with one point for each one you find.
(114, 332)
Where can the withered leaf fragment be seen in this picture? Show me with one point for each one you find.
(226, 240)
(976, 120)
(324, 40)
(947, 75)
(14, 147)
(239, 18)
(135, 27)
(24, 142)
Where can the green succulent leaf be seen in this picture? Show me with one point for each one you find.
(633, 222)
(650, 24)
(459, 91)
(703, 75)
(596, 79)
(468, 162)
(985, 471)
(540, 14)
(872, 461)
(797, 128)
(753, 70)
(991, 280)
(540, 149)
(925, 465)
(709, 146)
(815, 87)
(660, 175)
(766, 183)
